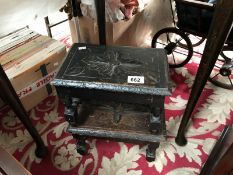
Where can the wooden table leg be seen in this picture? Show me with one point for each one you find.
(219, 30)
(9, 95)
(155, 125)
(71, 113)
(220, 160)
(81, 144)
(151, 151)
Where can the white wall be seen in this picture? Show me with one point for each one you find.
(15, 14)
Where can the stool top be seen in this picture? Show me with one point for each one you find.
(114, 68)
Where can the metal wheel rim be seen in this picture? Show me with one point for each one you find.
(183, 36)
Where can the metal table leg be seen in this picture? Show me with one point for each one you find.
(100, 9)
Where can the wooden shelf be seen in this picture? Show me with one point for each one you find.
(133, 126)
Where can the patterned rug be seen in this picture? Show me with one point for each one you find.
(104, 157)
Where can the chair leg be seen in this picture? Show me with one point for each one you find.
(8, 93)
(48, 26)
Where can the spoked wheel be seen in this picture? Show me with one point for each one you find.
(195, 40)
(169, 39)
(222, 75)
(227, 52)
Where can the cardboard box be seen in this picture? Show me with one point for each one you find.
(27, 62)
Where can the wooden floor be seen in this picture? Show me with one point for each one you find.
(10, 166)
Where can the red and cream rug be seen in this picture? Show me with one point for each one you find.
(213, 112)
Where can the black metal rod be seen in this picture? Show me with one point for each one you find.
(100, 10)
(74, 5)
(58, 23)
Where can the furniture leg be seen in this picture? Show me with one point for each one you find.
(215, 164)
(150, 151)
(100, 9)
(46, 19)
(71, 114)
(8, 93)
(225, 164)
(49, 26)
(81, 144)
(118, 111)
(155, 122)
(219, 30)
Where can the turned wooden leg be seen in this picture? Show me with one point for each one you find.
(81, 144)
(215, 164)
(220, 27)
(118, 110)
(155, 120)
(150, 151)
(9, 95)
(71, 114)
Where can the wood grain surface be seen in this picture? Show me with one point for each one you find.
(10, 166)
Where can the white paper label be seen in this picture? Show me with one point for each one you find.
(82, 48)
(136, 79)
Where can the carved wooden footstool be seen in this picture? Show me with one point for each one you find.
(114, 93)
